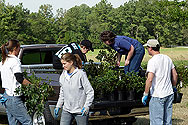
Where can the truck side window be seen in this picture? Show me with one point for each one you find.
(36, 56)
(47, 57)
(31, 57)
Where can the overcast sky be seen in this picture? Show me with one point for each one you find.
(33, 5)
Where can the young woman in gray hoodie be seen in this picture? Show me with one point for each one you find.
(76, 93)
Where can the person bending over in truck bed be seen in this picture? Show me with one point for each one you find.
(74, 48)
(124, 45)
(76, 93)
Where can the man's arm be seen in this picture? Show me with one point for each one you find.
(150, 76)
(174, 77)
(149, 79)
(129, 55)
(118, 59)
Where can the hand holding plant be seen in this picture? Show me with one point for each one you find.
(36, 93)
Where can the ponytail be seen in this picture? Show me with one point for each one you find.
(8, 47)
(75, 58)
(78, 61)
(4, 52)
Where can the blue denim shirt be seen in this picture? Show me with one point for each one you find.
(122, 44)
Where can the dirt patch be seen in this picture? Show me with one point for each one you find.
(180, 112)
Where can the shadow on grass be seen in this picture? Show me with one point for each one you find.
(177, 121)
(3, 119)
(145, 121)
(141, 121)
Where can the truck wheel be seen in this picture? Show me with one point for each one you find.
(45, 119)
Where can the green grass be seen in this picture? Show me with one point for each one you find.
(178, 55)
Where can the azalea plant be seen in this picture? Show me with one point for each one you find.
(182, 71)
(36, 93)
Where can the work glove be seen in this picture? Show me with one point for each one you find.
(2, 99)
(56, 112)
(174, 89)
(144, 98)
(84, 111)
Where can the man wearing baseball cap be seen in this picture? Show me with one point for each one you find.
(161, 83)
(81, 50)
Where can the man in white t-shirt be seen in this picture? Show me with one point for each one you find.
(161, 82)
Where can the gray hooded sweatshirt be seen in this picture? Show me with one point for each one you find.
(76, 91)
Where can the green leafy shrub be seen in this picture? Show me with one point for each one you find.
(108, 56)
(102, 77)
(182, 71)
(132, 81)
(105, 78)
(35, 94)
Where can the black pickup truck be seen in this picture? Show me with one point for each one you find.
(38, 59)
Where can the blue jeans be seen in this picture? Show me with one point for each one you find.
(160, 110)
(66, 118)
(136, 59)
(16, 111)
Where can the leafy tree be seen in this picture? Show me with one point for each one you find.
(42, 26)
(13, 24)
(99, 21)
(164, 20)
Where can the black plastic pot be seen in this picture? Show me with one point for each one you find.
(121, 95)
(130, 95)
(113, 96)
(177, 97)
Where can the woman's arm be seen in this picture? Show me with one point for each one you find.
(20, 79)
(60, 101)
(88, 91)
(26, 82)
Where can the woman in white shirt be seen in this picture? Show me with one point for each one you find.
(12, 78)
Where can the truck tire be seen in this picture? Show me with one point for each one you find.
(45, 119)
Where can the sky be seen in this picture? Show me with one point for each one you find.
(33, 5)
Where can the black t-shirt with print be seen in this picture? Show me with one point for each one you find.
(70, 48)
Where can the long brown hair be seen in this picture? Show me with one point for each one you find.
(75, 58)
(8, 47)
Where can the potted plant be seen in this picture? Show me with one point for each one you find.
(35, 94)
(182, 72)
(103, 81)
(106, 80)
(132, 83)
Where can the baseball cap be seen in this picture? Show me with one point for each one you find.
(87, 44)
(151, 43)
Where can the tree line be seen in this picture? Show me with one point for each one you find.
(164, 20)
